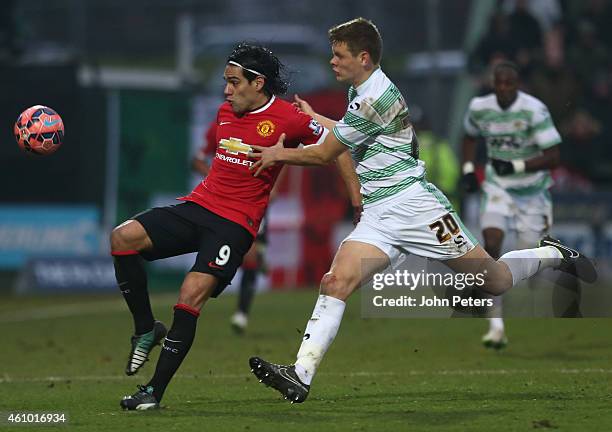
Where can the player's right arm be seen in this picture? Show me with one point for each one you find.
(201, 162)
(468, 147)
(469, 180)
(468, 152)
(200, 165)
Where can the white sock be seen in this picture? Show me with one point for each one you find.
(318, 336)
(496, 324)
(497, 302)
(496, 309)
(525, 263)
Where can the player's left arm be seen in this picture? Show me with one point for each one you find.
(311, 155)
(549, 159)
(346, 168)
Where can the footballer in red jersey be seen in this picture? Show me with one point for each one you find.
(253, 261)
(230, 190)
(218, 220)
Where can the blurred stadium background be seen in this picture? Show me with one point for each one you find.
(138, 82)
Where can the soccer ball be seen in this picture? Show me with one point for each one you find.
(39, 130)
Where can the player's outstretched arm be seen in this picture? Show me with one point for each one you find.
(311, 155)
(305, 107)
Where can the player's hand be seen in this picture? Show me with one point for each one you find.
(469, 182)
(267, 155)
(357, 210)
(303, 106)
(502, 168)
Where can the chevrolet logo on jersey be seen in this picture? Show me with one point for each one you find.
(235, 146)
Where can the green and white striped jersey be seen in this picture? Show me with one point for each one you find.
(377, 129)
(521, 131)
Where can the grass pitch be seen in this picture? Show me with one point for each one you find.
(68, 354)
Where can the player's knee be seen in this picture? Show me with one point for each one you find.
(337, 285)
(497, 280)
(196, 289)
(117, 239)
(493, 288)
(127, 237)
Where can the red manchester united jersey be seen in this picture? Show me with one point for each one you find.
(230, 190)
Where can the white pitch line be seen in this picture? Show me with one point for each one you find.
(62, 311)
(458, 372)
(92, 307)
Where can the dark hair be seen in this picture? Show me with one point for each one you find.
(262, 60)
(359, 34)
(506, 65)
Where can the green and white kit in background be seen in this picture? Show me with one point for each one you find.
(403, 213)
(518, 202)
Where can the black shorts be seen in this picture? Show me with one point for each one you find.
(188, 227)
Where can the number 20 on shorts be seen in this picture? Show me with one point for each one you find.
(445, 228)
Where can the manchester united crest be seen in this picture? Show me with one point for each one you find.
(265, 128)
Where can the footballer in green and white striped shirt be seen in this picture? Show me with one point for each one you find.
(403, 213)
(522, 147)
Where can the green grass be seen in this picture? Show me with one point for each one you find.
(68, 354)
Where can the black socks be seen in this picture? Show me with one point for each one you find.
(175, 348)
(132, 281)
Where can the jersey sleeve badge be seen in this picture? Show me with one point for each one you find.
(316, 127)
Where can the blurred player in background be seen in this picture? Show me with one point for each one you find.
(253, 262)
(522, 148)
(219, 219)
(403, 212)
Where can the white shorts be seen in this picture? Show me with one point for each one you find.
(419, 221)
(529, 216)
